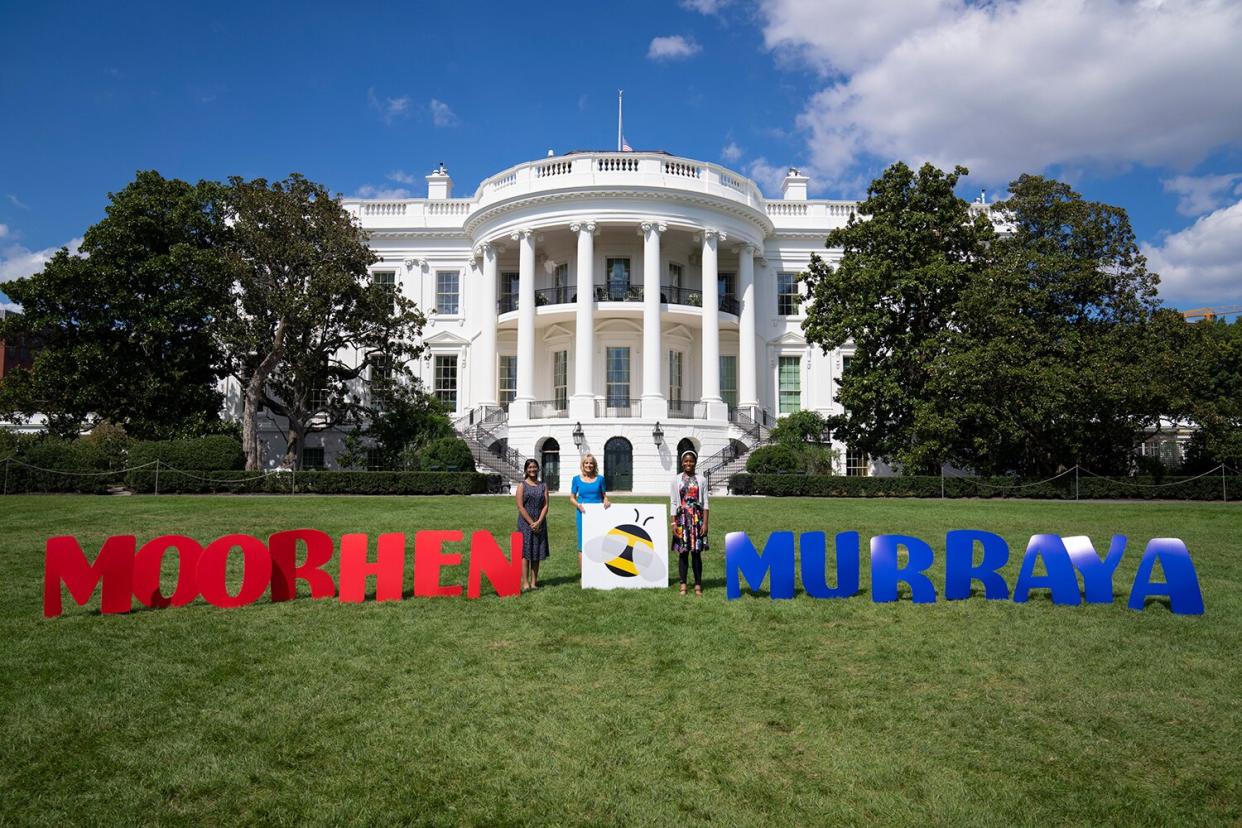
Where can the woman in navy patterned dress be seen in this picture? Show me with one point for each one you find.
(532, 501)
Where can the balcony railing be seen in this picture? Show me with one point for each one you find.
(547, 409)
(686, 410)
(617, 408)
(669, 295)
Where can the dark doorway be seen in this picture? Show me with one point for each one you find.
(618, 465)
(551, 463)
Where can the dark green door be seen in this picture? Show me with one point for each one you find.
(552, 464)
(618, 465)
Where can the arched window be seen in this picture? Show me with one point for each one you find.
(618, 465)
(684, 445)
(550, 460)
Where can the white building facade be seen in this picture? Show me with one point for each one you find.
(624, 304)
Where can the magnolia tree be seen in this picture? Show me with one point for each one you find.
(306, 324)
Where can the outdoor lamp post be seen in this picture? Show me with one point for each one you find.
(657, 434)
(579, 437)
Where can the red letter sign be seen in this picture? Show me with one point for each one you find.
(256, 570)
(65, 562)
(486, 558)
(388, 569)
(150, 561)
(429, 559)
(284, 547)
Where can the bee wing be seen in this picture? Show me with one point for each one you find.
(648, 564)
(605, 548)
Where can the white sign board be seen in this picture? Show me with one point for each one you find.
(625, 546)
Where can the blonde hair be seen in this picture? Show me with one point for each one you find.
(582, 463)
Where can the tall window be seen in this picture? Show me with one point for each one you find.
(845, 368)
(385, 279)
(728, 380)
(675, 364)
(560, 379)
(618, 275)
(560, 284)
(790, 383)
(618, 380)
(724, 285)
(448, 295)
(508, 380)
(674, 276)
(312, 458)
(381, 379)
(857, 463)
(509, 291)
(787, 299)
(445, 387)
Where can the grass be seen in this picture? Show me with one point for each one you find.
(582, 707)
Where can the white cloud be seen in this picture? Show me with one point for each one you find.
(673, 47)
(1204, 193)
(17, 202)
(1011, 87)
(389, 109)
(705, 6)
(767, 176)
(382, 193)
(4, 230)
(17, 261)
(442, 115)
(1203, 263)
(11, 306)
(731, 153)
(402, 177)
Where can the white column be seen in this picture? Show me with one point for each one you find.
(582, 404)
(483, 353)
(519, 409)
(655, 405)
(716, 408)
(747, 377)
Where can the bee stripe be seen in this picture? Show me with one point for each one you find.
(631, 540)
(624, 564)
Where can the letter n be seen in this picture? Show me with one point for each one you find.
(64, 562)
(777, 561)
(487, 558)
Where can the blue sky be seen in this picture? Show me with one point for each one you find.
(1138, 104)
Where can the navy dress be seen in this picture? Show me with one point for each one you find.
(534, 544)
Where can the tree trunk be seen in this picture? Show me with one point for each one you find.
(254, 391)
(297, 441)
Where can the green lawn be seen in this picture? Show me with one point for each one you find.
(580, 707)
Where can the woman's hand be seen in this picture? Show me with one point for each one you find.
(606, 503)
(581, 508)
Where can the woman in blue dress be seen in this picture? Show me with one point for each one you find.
(587, 487)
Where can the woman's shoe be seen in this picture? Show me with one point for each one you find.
(698, 590)
(683, 589)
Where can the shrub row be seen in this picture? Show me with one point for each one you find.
(214, 453)
(1089, 488)
(309, 482)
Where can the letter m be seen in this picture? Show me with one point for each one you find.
(65, 563)
(776, 562)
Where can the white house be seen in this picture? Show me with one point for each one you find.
(625, 304)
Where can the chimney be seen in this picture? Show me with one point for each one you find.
(439, 184)
(793, 188)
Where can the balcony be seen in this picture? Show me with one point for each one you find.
(549, 409)
(686, 410)
(613, 408)
(669, 295)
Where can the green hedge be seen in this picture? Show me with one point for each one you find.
(1089, 488)
(309, 482)
(775, 459)
(215, 453)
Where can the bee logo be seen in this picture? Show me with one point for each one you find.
(627, 551)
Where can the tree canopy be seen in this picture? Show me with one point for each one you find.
(128, 325)
(1025, 351)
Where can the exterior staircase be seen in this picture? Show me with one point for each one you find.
(482, 429)
(755, 426)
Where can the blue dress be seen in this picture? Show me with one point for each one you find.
(592, 492)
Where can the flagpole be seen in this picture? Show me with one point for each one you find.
(619, 92)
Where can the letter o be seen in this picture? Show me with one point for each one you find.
(150, 560)
(256, 570)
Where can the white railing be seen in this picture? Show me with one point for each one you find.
(682, 168)
(503, 181)
(554, 168)
(612, 163)
(787, 208)
(383, 208)
(842, 209)
(456, 207)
